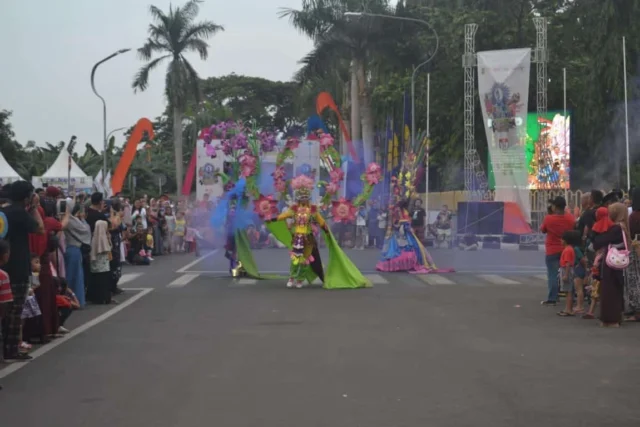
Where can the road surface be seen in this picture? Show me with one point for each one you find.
(189, 346)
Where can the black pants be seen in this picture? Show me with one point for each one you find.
(64, 313)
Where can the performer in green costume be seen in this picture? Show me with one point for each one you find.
(305, 256)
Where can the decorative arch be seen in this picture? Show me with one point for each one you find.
(130, 150)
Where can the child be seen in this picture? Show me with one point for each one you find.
(148, 247)
(170, 222)
(66, 302)
(179, 232)
(189, 236)
(31, 309)
(570, 258)
(602, 224)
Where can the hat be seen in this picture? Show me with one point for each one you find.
(53, 192)
(612, 196)
(559, 202)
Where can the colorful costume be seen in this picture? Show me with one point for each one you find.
(402, 250)
(305, 257)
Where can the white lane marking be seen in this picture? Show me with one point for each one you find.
(435, 279)
(498, 280)
(376, 279)
(182, 281)
(541, 277)
(77, 331)
(128, 277)
(197, 260)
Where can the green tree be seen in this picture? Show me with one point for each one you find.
(172, 35)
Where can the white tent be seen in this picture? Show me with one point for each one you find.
(58, 174)
(7, 173)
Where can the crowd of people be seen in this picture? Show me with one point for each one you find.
(60, 252)
(594, 262)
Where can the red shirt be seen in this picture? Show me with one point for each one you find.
(38, 242)
(62, 302)
(554, 226)
(5, 288)
(568, 257)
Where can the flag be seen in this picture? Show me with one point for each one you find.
(107, 185)
(97, 182)
(503, 87)
(406, 130)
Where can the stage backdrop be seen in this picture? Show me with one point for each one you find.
(503, 86)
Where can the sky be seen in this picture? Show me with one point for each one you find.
(50, 47)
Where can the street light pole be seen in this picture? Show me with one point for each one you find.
(109, 137)
(104, 108)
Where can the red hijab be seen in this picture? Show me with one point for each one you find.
(603, 222)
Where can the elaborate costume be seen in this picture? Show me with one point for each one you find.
(300, 239)
(402, 249)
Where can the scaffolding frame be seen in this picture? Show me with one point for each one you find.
(475, 179)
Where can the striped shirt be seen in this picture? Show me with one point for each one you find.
(5, 288)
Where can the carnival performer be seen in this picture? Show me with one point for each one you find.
(402, 250)
(306, 264)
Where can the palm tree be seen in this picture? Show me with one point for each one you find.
(171, 36)
(355, 40)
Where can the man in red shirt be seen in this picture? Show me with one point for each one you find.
(554, 225)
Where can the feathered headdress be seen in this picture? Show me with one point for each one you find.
(302, 186)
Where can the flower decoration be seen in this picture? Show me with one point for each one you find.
(343, 211)
(266, 207)
(247, 165)
(373, 173)
(279, 173)
(268, 141)
(227, 147)
(280, 186)
(336, 175)
(210, 150)
(292, 143)
(326, 141)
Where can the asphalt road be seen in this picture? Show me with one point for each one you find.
(196, 348)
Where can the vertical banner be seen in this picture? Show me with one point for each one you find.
(503, 86)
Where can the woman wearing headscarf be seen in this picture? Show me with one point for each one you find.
(99, 286)
(632, 273)
(77, 236)
(612, 280)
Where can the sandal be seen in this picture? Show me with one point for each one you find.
(588, 316)
(565, 314)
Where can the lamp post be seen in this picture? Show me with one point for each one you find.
(104, 108)
(107, 139)
(413, 89)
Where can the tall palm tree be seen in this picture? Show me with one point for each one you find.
(171, 36)
(336, 36)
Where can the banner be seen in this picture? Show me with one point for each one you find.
(503, 86)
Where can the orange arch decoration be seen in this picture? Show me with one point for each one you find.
(324, 101)
(130, 150)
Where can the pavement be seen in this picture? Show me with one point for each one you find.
(188, 346)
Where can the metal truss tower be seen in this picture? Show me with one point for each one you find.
(541, 58)
(474, 176)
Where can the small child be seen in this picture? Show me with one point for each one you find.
(179, 232)
(31, 309)
(170, 224)
(190, 236)
(148, 247)
(602, 224)
(570, 259)
(66, 302)
(6, 296)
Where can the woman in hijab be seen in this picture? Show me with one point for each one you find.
(632, 273)
(77, 235)
(99, 286)
(612, 283)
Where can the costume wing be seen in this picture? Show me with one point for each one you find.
(245, 256)
(341, 273)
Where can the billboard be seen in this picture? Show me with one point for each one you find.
(547, 152)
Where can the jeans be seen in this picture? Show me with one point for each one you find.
(553, 265)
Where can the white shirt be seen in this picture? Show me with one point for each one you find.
(143, 215)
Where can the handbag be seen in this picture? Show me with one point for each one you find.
(618, 259)
(85, 249)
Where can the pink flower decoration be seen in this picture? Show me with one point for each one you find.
(210, 150)
(332, 188)
(266, 207)
(343, 211)
(292, 143)
(374, 168)
(279, 173)
(326, 141)
(336, 175)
